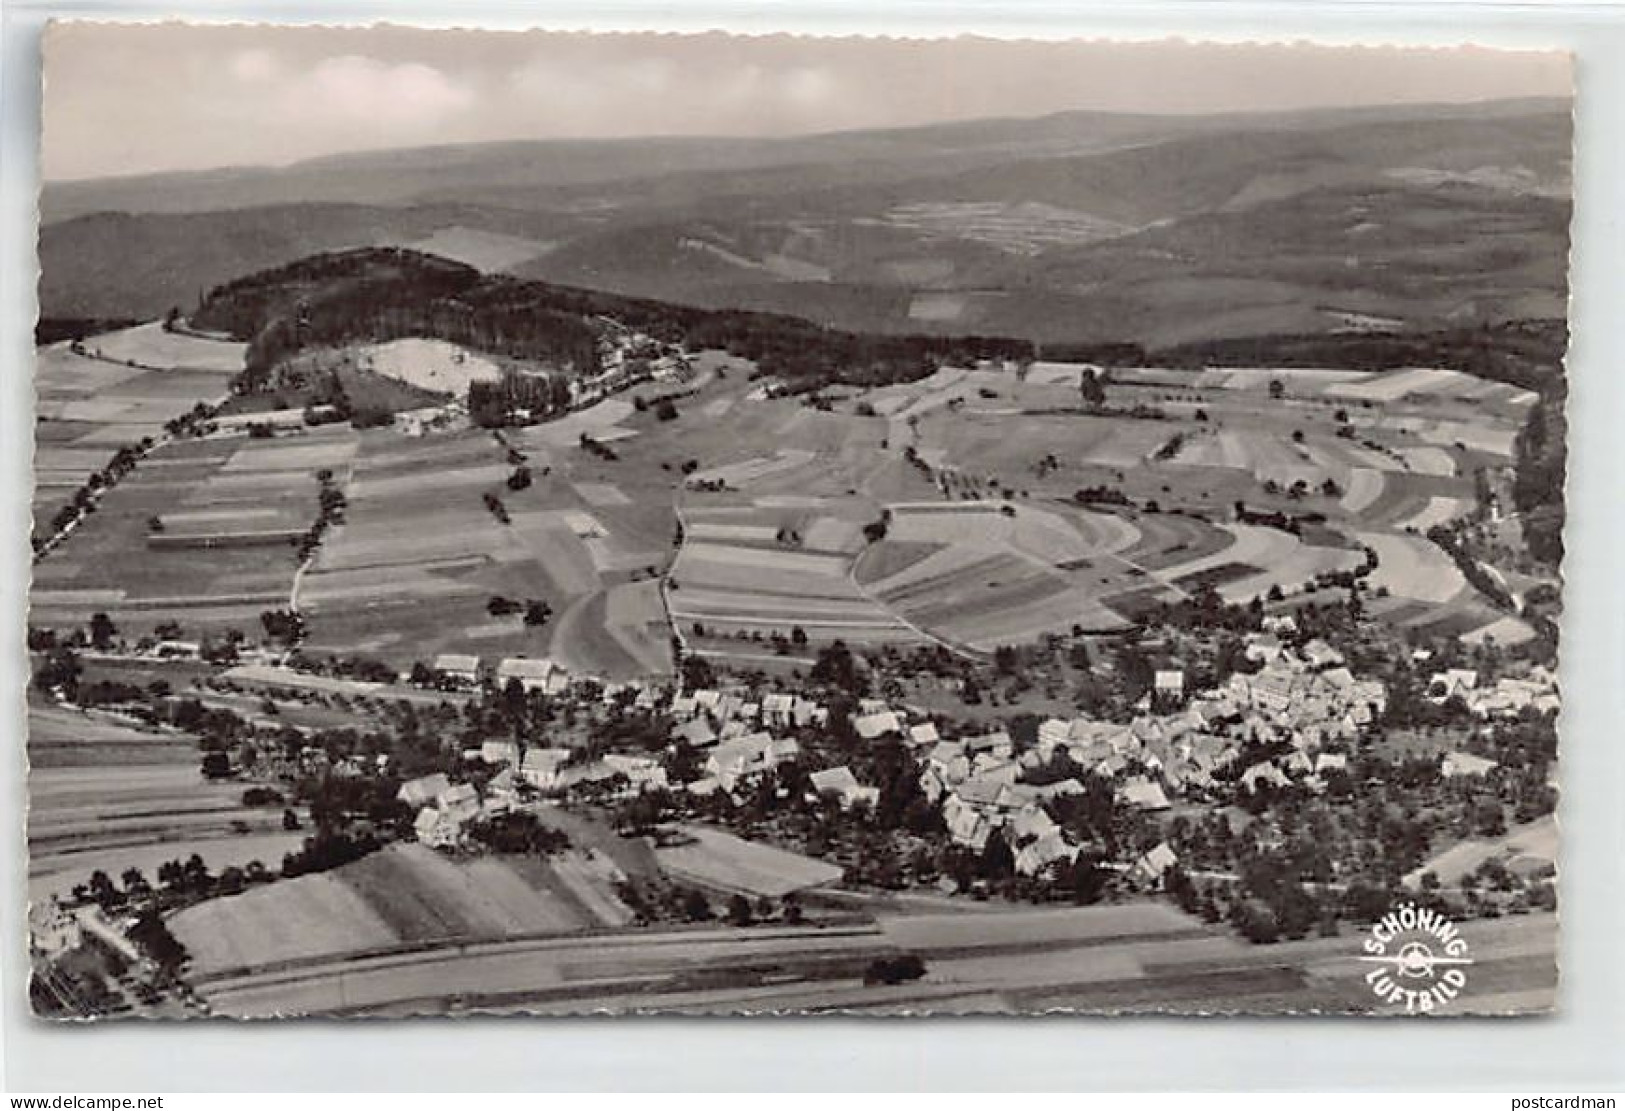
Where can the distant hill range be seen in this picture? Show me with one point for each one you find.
(1074, 228)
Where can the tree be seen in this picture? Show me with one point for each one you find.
(102, 631)
(1090, 389)
(1277, 389)
(695, 906)
(739, 911)
(897, 969)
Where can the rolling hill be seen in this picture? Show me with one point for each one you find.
(1078, 227)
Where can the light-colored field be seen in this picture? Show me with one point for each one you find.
(150, 346)
(602, 420)
(289, 920)
(1413, 567)
(1022, 228)
(747, 472)
(430, 364)
(721, 861)
(1437, 511)
(1364, 488)
(402, 895)
(1429, 460)
(601, 493)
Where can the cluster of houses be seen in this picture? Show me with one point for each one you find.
(1303, 699)
(1505, 698)
(741, 738)
(1302, 704)
(625, 358)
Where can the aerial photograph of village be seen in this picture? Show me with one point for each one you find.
(532, 524)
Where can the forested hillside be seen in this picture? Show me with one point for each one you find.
(376, 294)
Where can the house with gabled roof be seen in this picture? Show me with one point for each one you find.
(1037, 855)
(1143, 794)
(499, 753)
(696, 731)
(1154, 863)
(541, 766)
(424, 789)
(840, 782)
(923, 734)
(531, 674)
(872, 726)
(459, 667)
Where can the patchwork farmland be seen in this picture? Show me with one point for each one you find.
(982, 540)
(106, 795)
(115, 390)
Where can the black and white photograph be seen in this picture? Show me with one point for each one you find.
(551, 523)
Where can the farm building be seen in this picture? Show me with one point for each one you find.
(532, 674)
(454, 665)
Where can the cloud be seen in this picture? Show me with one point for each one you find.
(254, 67)
(655, 95)
(809, 87)
(402, 96)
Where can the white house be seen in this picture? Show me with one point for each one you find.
(542, 765)
(1144, 794)
(643, 773)
(870, 726)
(1465, 763)
(459, 803)
(499, 753)
(736, 760)
(424, 789)
(1153, 864)
(532, 674)
(842, 783)
(923, 734)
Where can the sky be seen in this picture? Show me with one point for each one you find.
(133, 99)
